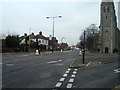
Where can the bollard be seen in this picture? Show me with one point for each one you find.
(80, 53)
(61, 50)
(37, 53)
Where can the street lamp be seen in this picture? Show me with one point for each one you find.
(53, 30)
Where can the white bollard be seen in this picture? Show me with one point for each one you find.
(37, 53)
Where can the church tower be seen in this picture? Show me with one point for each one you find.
(108, 27)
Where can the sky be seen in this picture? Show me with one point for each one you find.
(19, 17)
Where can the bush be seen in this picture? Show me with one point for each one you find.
(115, 50)
(12, 41)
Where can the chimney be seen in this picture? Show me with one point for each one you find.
(25, 34)
(40, 33)
(32, 33)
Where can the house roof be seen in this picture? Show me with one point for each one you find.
(41, 37)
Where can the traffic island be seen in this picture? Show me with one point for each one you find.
(77, 64)
(116, 88)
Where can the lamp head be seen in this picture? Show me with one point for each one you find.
(60, 16)
(47, 17)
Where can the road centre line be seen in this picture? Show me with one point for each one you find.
(69, 85)
(67, 72)
(65, 75)
(73, 76)
(54, 61)
(58, 84)
(75, 69)
(62, 79)
(74, 72)
(71, 80)
(69, 69)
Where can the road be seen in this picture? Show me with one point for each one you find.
(22, 70)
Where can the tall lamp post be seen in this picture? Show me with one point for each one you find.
(53, 30)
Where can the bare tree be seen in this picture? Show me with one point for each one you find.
(92, 37)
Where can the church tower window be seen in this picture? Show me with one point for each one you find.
(106, 17)
(106, 9)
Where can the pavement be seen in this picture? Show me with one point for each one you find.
(78, 64)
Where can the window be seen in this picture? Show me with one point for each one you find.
(106, 17)
(106, 9)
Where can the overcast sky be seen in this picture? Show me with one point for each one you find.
(18, 17)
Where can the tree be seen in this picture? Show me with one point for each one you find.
(92, 37)
(12, 41)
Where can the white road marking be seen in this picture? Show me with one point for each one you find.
(67, 72)
(74, 72)
(62, 79)
(65, 75)
(9, 64)
(58, 84)
(71, 80)
(69, 69)
(54, 61)
(59, 60)
(73, 76)
(88, 64)
(75, 69)
(117, 70)
(24, 55)
(69, 85)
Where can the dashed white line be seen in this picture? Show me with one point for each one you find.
(69, 85)
(58, 84)
(54, 61)
(62, 79)
(67, 72)
(65, 75)
(59, 60)
(73, 76)
(74, 72)
(75, 69)
(71, 80)
(69, 69)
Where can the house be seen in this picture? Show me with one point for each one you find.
(38, 41)
(53, 42)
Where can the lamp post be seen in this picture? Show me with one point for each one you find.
(53, 30)
(84, 49)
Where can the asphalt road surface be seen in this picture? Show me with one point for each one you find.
(26, 70)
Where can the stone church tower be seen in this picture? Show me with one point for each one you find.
(108, 28)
